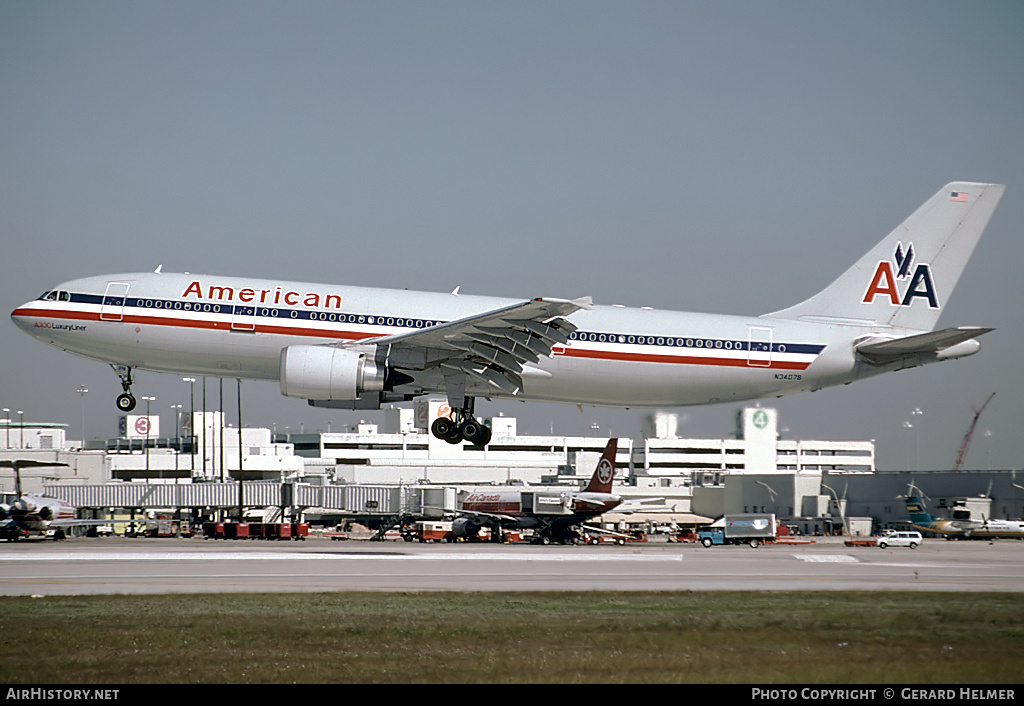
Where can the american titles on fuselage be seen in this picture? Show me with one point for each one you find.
(275, 296)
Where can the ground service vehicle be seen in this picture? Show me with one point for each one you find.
(900, 539)
(433, 531)
(751, 529)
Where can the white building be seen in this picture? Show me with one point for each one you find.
(756, 449)
(46, 442)
(212, 454)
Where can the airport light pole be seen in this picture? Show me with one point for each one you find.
(771, 492)
(842, 513)
(82, 389)
(988, 450)
(177, 437)
(917, 433)
(240, 486)
(908, 425)
(7, 417)
(205, 477)
(148, 427)
(221, 429)
(21, 426)
(192, 422)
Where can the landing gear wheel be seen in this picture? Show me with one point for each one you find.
(461, 426)
(442, 427)
(445, 428)
(125, 402)
(475, 433)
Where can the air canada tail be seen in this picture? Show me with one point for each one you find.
(918, 515)
(905, 280)
(601, 481)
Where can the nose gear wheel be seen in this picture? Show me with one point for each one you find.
(125, 402)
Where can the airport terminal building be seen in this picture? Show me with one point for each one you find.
(400, 468)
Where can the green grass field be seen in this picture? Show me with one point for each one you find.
(812, 637)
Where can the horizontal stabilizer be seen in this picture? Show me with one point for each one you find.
(947, 343)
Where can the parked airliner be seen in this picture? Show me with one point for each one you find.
(961, 527)
(553, 516)
(36, 513)
(355, 347)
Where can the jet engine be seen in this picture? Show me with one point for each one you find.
(328, 373)
(465, 527)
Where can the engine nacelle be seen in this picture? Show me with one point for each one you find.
(328, 373)
(465, 527)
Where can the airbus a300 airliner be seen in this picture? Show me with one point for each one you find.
(356, 348)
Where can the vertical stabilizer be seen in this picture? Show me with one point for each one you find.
(907, 278)
(601, 481)
(918, 515)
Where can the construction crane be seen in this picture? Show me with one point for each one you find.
(962, 453)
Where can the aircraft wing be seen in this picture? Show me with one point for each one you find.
(930, 343)
(489, 515)
(643, 505)
(475, 513)
(491, 348)
(601, 530)
(72, 522)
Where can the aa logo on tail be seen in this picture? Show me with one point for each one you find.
(886, 281)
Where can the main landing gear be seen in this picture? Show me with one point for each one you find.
(461, 426)
(126, 401)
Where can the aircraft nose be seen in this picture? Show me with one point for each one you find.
(20, 317)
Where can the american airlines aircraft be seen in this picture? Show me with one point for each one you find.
(356, 348)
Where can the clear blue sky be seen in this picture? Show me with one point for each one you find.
(723, 156)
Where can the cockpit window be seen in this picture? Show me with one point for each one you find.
(64, 296)
(49, 296)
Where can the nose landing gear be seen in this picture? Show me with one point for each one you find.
(126, 401)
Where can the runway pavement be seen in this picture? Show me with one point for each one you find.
(135, 566)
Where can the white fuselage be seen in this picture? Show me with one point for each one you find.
(36, 513)
(234, 327)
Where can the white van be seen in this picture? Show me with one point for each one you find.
(900, 539)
